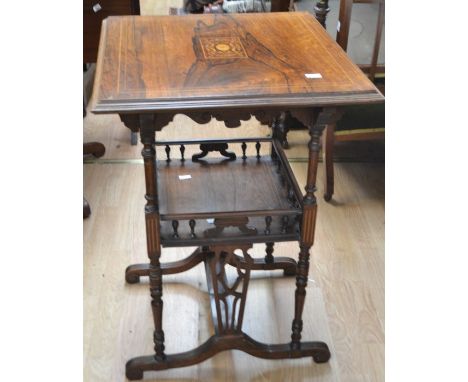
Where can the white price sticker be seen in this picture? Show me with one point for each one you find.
(185, 177)
(97, 7)
(313, 75)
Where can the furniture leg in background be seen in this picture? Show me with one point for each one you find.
(367, 123)
(93, 14)
(97, 150)
(329, 142)
(321, 10)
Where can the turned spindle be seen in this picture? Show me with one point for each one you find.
(269, 259)
(244, 148)
(284, 223)
(182, 151)
(257, 147)
(282, 179)
(168, 153)
(175, 226)
(268, 220)
(192, 228)
(291, 196)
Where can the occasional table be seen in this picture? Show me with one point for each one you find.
(227, 67)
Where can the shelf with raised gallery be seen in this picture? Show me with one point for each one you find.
(227, 197)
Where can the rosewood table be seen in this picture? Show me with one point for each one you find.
(227, 67)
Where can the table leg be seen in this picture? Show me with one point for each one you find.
(316, 125)
(321, 10)
(153, 234)
(228, 297)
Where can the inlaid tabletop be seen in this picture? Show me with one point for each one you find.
(157, 63)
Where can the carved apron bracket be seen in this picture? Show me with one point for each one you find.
(209, 147)
(153, 122)
(239, 222)
(231, 119)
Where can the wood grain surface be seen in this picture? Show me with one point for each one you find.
(237, 189)
(209, 61)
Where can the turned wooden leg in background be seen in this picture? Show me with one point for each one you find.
(94, 148)
(329, 138)
(280, 130)
(321, 10)
(86, 209)
(97, 150)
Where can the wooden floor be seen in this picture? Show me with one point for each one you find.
(345, 295)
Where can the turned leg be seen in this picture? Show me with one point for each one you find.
(287, 264)
(153, 235)
(328, 162)
(321, 9)
(155, 277)
(228, 297)
(301, 284)
(316, 122)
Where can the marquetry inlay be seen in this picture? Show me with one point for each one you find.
(222, 47)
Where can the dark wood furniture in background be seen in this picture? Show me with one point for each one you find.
(342, 35)
(206, 66)
(95, 149)
(94, 11)
(358, 122)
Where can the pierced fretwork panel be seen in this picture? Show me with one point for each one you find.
(230, 275)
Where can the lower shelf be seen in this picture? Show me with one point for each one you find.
(205, 200)
(218, 185)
